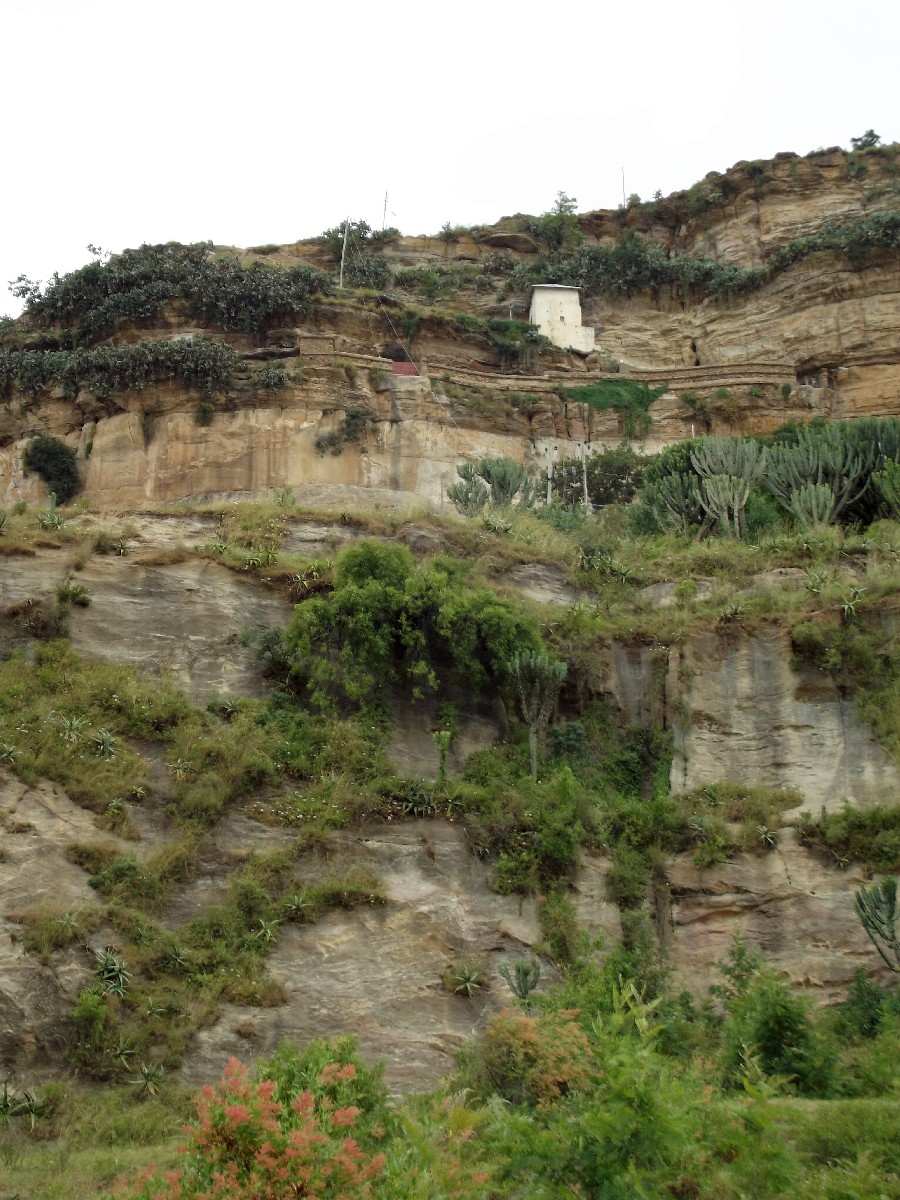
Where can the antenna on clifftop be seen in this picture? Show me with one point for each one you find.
(344, 250)
(623, 187)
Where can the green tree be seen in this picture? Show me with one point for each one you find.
(876, 907)
(613, 477)
(537, 680)
(868, 140)
(54, 461)
(558, 228)
(389, 620)
(773, 1026)
(358, 236)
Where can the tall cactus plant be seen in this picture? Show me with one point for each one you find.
(729, 468)
(830, 456)
(876, 908)
(537, 679)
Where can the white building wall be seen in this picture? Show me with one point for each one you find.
(556, 311)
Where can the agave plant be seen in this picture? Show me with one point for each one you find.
(149, 1077)
(112, 972)
(467, 980)
(267, 931)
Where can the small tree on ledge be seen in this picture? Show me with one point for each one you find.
(537, 679)
(876, 908)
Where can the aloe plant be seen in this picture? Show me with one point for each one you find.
(876, 907)
(523, 979)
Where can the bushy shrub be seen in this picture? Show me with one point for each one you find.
(388, 619)
(532, 1060)
(869, 836)
(332, 1072)
(244, 1144)
(135, 284)
(367, 270)
(613, 476)
(634, 264)
(768, 1023)
(205, 364)
(630, 399)
(54, 461)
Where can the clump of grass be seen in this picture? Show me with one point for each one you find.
(126, 881)
(710, 813)
(868, 836)
(48, 928)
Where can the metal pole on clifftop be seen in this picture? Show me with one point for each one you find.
(344, 250)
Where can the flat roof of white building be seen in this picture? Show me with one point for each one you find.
(568, 287)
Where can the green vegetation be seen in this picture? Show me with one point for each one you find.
(820, 474)
(537, 680)
(434, 280)
(389, 619)
(355, 424)
(204, 364)
(869, 836)
(635, 264)
(134, 286)
(605, 1084)
(876, 908)
(613, 477)
(631, 400)
(558, 228)
(54, 461)
(497, 482)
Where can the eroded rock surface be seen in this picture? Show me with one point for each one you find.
(185, 618)
(375, 972)
(740, 711)
(36, 825)
(786, 903)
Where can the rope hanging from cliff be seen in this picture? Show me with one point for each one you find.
(364, 266)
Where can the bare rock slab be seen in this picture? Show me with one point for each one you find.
(186, 618)
(375, 972)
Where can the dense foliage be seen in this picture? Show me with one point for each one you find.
(634, 264)
(820, 474)
(389, 619)
(245, 1144)
(613, 477)
(54, 461)
(133, 286)
(630, 399)
(203, 363)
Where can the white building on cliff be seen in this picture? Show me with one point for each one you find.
(556, 310)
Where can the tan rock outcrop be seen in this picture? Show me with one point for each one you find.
(742, 712)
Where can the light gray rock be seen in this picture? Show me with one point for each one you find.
(36, 824)
(786, 903)
(543, 583)
(743, 713)
(186, 618)
(375, 972)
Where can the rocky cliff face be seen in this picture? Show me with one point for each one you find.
(737, 707)
(819, 338)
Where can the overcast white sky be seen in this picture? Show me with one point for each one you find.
(129, 122)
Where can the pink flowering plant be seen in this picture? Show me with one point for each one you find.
(245, 1145)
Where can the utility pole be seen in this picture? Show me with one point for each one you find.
(344, 250)
(582, 445)
(384, 214)
(623, 186)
